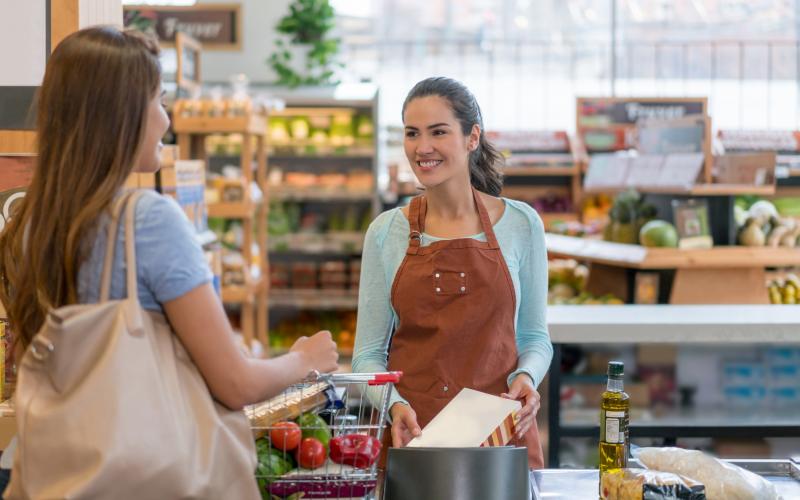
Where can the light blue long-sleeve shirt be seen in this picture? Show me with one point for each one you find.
(519, 232)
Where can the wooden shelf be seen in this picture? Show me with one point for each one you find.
(319, 194)
(202, 125)
(697, 190)
(237, 294)
(540, 171)
(314, 299)
(240, 210)
(639, 257)
(345, 242)
(551, 217)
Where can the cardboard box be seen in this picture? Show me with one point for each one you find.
(471, 419)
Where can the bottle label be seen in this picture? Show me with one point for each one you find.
(614, 427)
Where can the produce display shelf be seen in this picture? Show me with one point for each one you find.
(237, 294)
(639, 257)
(316, 194)
(696, 190)
(314, 299)
(340, 243)
(533, 171)
(241, 210)
(550, 217)
(250, 124)
(277, 156)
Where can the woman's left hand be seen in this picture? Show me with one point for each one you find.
(522, 390)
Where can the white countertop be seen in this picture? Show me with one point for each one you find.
(701, 324)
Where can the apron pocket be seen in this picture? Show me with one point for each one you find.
(450, 283)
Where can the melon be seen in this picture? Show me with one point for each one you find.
(658, 233)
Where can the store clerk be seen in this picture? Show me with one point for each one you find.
(454, 287)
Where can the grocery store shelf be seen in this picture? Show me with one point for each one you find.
(694, 422)
(251, 124)
(551, 217)
(319, 194)
(639, 257)
(237, 294)
(539, 171)
(345, 243)
(314, 299)
(696, 190)
(681, 324)
(284, 157)
(243, 210)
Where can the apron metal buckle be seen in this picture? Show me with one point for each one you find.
(415, 235)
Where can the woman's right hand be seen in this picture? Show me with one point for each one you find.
(404, 424)
(318, 351)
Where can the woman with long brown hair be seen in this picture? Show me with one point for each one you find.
(100, 117)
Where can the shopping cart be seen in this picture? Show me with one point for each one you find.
(346, 410)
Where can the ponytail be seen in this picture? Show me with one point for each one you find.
(484, 172)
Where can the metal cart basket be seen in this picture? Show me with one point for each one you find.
(325, 406)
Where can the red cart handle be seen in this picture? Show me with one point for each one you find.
(386, 378)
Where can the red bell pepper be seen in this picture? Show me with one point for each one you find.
(358, 450)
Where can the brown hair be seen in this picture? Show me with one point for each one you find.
(485, 160)
(90, 123)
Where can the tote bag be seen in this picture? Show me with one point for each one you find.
(110, 405)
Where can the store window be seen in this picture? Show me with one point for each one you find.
(527, 60)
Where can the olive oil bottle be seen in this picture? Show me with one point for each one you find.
(614, 411)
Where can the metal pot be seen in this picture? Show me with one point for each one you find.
(499, 473)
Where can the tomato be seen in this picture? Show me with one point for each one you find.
(311, 454)
(285, 436)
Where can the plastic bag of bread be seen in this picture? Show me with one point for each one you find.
(639, 484)
(723, 481)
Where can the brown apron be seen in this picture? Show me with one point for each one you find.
(456, 307)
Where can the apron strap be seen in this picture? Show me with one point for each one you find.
(486, 222)
(416, 220)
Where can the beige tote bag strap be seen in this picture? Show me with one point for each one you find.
(122, 203)
(130, 244)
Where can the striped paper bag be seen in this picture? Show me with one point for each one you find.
(471, 419)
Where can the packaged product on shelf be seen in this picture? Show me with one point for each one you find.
(304, 275)
(214, 258)
(359, 181)
(279, 275)
(233, 269)
(635, 484)
(333, 275)
(332, 180)
(184, 181)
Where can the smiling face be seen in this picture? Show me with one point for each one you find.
(156, 126)
(434, 143)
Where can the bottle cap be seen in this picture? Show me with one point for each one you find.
(616, 368)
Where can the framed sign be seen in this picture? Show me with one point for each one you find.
(608, 123)
(187, 51)
(216, 26)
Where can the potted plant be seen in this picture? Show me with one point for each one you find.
(307, 27)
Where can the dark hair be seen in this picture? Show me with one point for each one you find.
(484, 161)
